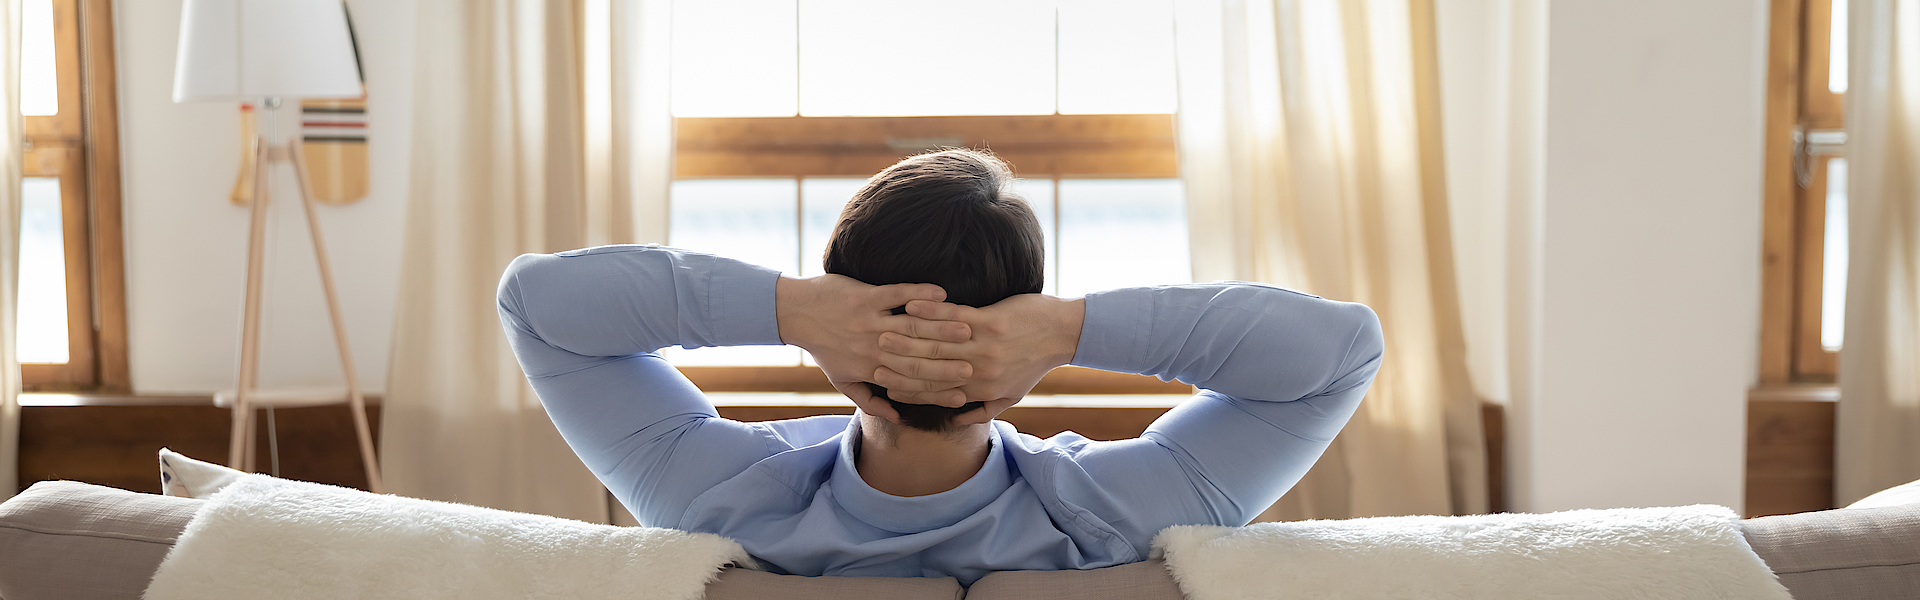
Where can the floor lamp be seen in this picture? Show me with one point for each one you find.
(268, 51)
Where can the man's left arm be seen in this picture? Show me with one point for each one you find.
(1280, 373)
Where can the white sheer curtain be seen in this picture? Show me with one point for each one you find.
(9, 245)
(1878, 421)
(1311, 152)
(1492, 56)
(539, 126)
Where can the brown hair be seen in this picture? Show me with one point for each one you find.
(948, 218)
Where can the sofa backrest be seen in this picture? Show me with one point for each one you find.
(1844, 553)
(76, 541)
(66, 540)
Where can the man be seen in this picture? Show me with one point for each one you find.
(922, 481)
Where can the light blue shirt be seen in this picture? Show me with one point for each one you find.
(1280, 372)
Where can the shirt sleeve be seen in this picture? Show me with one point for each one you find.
(1280, 372)
(584, 325)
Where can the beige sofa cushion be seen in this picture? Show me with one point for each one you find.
(1138, 581)
(743, 584)
(1855, 554)
(76, 541)
(66, 540)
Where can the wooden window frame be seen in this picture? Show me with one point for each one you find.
(80, 145)
(1793, 239)
(1039, 146)
(1789, 464)
(1036, 145)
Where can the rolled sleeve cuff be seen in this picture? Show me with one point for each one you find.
(740, 304)
(1114, 334)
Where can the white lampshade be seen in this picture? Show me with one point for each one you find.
(249, 49)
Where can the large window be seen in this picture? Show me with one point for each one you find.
(1806, 236)
(72, 309)
(784, 107)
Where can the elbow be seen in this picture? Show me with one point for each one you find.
(511, 293)
(1369, 341)
(1364, 354)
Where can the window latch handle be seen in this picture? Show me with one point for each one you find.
(1809, 143)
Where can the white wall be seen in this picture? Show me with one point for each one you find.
(1604, 171)
(1646, 270)
(1649, 255)
(186, 244)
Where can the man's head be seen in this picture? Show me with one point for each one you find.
(948, 218)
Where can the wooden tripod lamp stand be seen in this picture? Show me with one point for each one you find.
(265, 51)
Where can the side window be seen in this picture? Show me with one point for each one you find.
(72, 309)
(1807, 223)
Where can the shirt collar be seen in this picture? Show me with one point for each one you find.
(914, 514)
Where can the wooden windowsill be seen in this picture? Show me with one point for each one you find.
(808, 399)
(719, 399)
(1794, 392)
(1061, 381)
(97, 399)
(110, 399)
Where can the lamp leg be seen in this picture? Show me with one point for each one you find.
(354, 400)
(240, 447)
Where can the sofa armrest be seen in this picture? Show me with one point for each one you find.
(78, 541)
(1856, 553)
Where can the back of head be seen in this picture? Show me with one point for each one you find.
(948, 218)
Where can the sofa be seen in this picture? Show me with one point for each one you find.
(76, 541)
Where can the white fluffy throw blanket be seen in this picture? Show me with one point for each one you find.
(1681, 552)
(271, 538)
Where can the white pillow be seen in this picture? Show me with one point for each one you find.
(189, 478)
(1908, 493)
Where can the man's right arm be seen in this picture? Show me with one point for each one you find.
(584, 325)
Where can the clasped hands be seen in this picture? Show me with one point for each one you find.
(935, 353)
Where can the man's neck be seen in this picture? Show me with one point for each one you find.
(909, 462)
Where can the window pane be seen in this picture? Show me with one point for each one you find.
(734, 58)
(748, 219)
(1837, 49)
(43, 274)
(1121, 233)
(1039, 195)
(821, 200)
(1833, 271)
(924, 57)
(1116, 57)
(39, 88)
(733, 356)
